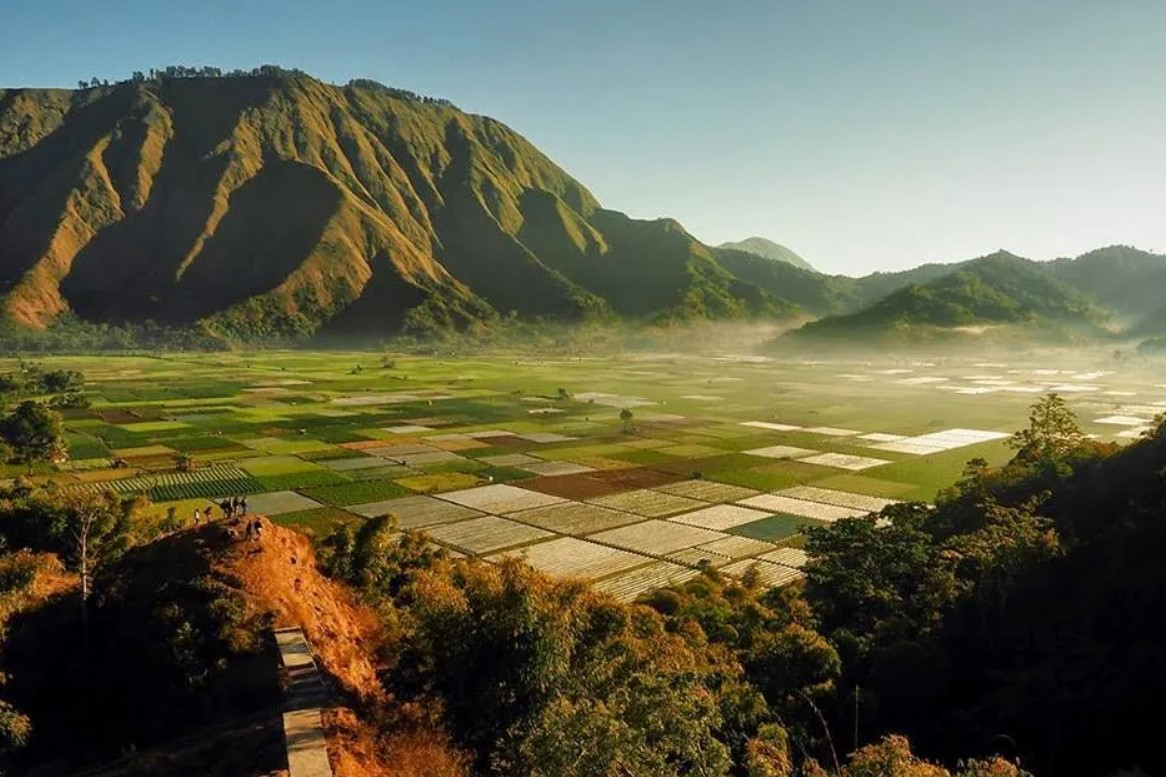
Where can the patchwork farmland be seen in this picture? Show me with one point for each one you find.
(722, 464)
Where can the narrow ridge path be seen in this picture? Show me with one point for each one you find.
(303, 729)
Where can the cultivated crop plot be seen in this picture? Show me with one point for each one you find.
(455, 442)
(832, 431)
(545, 437)
(770, 426)
(612, 400)
(736, 547)
(691, 451)
(648, 503)
(409, 429)
(845, 461)
(881, 437)
(790, 557)
(397, 451)
(773, 575)
(386, 399)
(630, 585)
(570, 557)
(574, 518)
(698, 557)
(781, 452)
(656, 538)
(500, 498)
(485, 534)
(708, 491)
(510, 460)
(829, 496)
(423, 459)
(936, 442)
(800, 507)
(354, 463)
(720, 517)
(206, 483)
(552, 468)
(280, 502)
(417, 512)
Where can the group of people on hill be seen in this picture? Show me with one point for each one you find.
(231, 507)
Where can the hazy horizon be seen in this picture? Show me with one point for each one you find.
(864, 138)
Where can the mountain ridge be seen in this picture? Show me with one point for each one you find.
(267, 203)
(282, 204)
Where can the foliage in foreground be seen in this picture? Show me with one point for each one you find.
(153, 638)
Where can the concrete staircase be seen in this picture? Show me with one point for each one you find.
(307, 693)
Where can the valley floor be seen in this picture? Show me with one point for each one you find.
(720, 462)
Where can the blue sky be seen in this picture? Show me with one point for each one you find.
(865, 135)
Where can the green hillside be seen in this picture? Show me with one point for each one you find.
(769, 250)
(1001, 289)
(1130, 282)
(274, 204)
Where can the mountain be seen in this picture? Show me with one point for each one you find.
(272, 203)
(769, 250)
(971, 298)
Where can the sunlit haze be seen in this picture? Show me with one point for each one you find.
(863, 135)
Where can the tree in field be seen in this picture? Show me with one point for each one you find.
(184, 462)
(62, 381)
(626, 415)
(34, 433)
(1052, 433)
(98, 528)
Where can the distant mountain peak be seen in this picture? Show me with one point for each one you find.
(770, 250)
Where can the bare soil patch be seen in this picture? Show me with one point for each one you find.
(588, 485)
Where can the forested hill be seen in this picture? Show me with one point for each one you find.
(997, 290)
(271, 203)
(1123, 279)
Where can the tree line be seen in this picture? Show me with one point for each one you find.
(176, 72)
(179, 72)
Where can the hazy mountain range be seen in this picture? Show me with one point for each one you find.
(274, 204)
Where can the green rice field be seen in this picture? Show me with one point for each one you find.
(437, 441)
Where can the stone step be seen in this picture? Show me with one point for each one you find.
(306, 693)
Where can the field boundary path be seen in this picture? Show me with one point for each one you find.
(303, 730)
